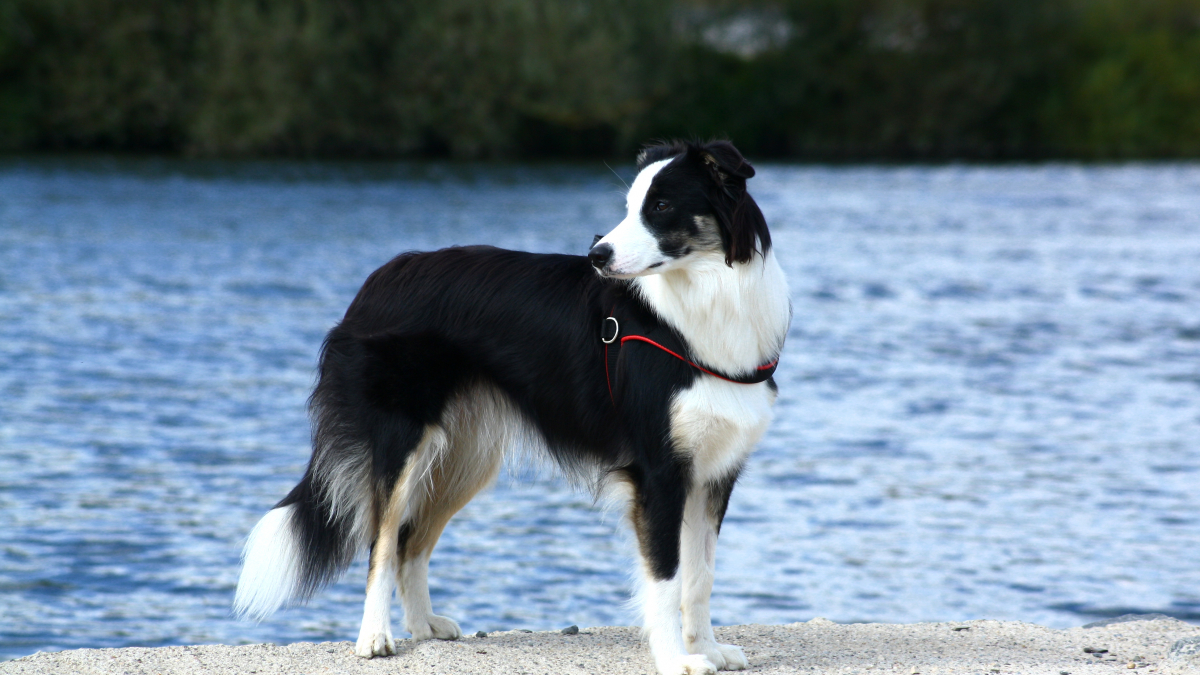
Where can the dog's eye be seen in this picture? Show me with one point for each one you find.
(660, 206)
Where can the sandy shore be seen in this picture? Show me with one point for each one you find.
(818, 646)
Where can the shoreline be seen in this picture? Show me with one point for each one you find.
(981, 647)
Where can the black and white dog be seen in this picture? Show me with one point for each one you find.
(645, 365)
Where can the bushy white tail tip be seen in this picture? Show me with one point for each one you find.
(271, 563)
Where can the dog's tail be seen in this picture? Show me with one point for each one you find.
(309, 539)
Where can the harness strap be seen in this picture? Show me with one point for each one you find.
(761, 373)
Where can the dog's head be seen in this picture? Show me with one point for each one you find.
(688, 200)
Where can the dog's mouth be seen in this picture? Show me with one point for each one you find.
(604, 259)
(610, 273)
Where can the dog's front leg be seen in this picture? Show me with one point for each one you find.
(698, 546)
(657, 514)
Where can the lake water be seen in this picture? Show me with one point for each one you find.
(989, 401)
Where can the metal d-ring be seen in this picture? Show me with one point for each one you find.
(616, 331)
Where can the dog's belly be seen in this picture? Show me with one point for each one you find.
(717, 423)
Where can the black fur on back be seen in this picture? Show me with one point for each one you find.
(427, 326)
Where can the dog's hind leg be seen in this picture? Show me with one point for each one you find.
(698, 545)
(480, 426)
(419, 619)
(412, 576)
(375, 635)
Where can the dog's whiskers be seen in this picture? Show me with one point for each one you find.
(614, 172)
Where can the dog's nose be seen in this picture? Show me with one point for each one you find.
(600, 255)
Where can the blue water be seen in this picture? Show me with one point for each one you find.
(990, 398)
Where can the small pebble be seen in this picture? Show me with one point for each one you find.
(524, 630)
(480, 634)
(958, 628)
(571, 630)
(1131, 665)
(1094, 650)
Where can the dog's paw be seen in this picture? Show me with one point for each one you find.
(436, 627)
(687, 664)
(375, 643)
(724, 657)
(731, 657)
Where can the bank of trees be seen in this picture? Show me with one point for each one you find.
(808, 79)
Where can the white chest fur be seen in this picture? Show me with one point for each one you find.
(734, 319)
(717, 423)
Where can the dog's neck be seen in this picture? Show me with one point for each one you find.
(733, 318)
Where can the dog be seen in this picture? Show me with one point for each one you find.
(645, 365)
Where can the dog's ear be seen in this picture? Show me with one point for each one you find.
(743, 228)
(724, 161)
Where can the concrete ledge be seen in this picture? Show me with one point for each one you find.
(818, 646)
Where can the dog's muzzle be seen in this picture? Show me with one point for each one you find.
(600, 255)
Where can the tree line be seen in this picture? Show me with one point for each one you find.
(803, 79)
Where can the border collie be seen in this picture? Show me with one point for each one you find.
(646, 364)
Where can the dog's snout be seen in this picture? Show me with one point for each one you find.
(600, 255)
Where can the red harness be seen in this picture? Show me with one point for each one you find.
(761, 373)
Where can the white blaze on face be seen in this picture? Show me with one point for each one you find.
(634, 247)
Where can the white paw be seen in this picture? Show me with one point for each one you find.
(724, 657)
(434, 626)
(687, 664)
(730, 657)
(375, 643)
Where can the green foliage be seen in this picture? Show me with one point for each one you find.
(824, 79)
(17, 104)
(889, 78)
(1135, 87)
(103, 73)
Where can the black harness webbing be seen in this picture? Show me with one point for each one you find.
(620, 327)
